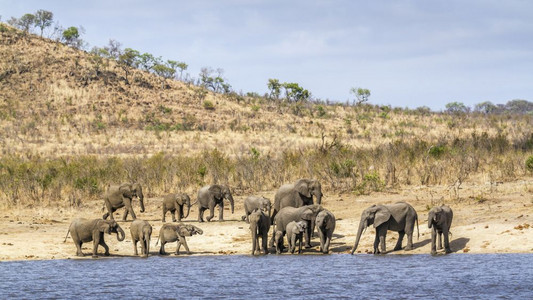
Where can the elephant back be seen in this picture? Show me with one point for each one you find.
(283, 197)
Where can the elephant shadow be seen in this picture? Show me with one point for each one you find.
(337, 236)
(458, 244)
(421, 244)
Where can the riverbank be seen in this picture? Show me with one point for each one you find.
(487, 219)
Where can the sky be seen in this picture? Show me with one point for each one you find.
(408, 53)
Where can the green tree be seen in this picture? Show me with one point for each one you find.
(182, 67)
(486, 107)
(274, 86)
(26, 22)
(71, 36)
(457, 108)
(361, 95)
(43, 19)
(98, 59)
(164, 71)
(127, 60)
(147, 61)
(294, 92)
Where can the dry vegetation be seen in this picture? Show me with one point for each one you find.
(69, 126)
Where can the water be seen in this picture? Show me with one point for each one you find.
(482, 276)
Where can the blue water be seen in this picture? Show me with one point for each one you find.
(481, 276)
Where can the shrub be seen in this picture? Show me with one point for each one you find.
(529, 164)
(209, 105)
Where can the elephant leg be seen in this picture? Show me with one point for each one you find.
(129, 209)
(325, 249)
(376, 243)
(78, 248)
(143, 247)
(322, 240)
(96, 242)
(447, 242)
(433, 242)
(106, 248)
(398, 246)
(135, 248)
(178, 214)
(201, 214)
(211, 211)
(409, 245)
(440, 241)
(183, 241)
(162, 249)
(109, 211)
(164, 213)
(300, 239)
(307, 233)
(221, 211)
(264, 240)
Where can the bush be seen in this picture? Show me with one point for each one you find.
(209, 105)
(529, 164)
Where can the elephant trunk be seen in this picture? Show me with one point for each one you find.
(230, 198)
(362, 226)
(120, 234)
(188, 203)
(431, 216)
(141, 200)
(319, 198)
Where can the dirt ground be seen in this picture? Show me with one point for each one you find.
(487, 219)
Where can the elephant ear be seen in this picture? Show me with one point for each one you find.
(104, 226)
(126, 191)
(216, 191)
(302, 187)
(381, 216)
(183, 231)
(307, 215)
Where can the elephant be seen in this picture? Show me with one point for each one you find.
(295, 231)
(141, 231)
(252, 203)
(118, 196)
(440, 220)
(278, 241)
(259, 226)
(400, 217)
(211, 195)
(170, 233)
(288, 214)
(297, 194)
(84, 231)
(175, 204)
(325, 223)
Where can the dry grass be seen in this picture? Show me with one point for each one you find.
(66, 132)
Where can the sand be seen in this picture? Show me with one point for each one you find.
(487, 219)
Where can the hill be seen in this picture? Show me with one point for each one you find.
(72, 123)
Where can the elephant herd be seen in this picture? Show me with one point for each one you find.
(295, 215)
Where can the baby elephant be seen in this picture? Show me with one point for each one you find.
(440, 220)
(325, 222)
(259, 226)
(295, 232)
(141, 231)
(176, 203)
(84, 231)
(252, 203)
(278, 241)
(170, 233)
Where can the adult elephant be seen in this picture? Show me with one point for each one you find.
(83, 231)
(288, 214)
(175, 203)
(297, 194)
(400, 217)
(118, 196)
(210, 196)
(440, 220)
(252, 203)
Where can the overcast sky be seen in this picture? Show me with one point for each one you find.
(408, 53)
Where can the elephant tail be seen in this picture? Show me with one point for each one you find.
(66, 235)
(157, 241)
